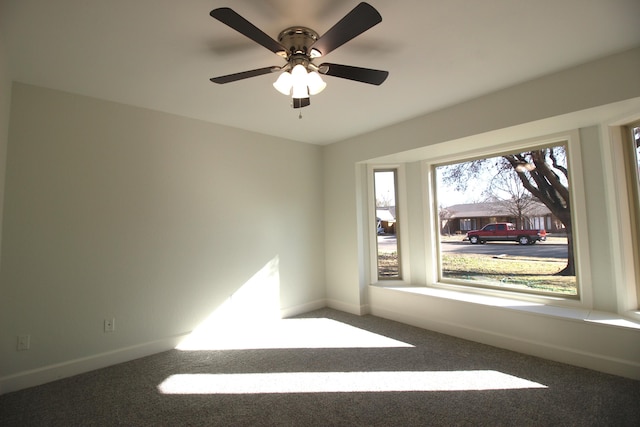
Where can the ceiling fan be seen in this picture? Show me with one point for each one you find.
(299, 46)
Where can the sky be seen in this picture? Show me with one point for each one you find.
(447, 196)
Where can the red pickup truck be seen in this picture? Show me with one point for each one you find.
(505, 232)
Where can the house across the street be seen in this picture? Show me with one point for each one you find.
(458, 219)
(386, 218)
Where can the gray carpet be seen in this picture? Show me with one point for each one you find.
(129, 394)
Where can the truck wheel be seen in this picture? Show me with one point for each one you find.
(524, 240)
(473, 239)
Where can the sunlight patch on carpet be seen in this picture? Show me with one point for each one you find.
(287, 333)
(343, 382)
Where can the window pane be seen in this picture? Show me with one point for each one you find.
(388, 258)
(505, 222)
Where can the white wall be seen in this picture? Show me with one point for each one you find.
(5, 105)
(156, 220)
(587, 97)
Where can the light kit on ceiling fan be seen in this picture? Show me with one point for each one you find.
(299, 82)
(299, 46)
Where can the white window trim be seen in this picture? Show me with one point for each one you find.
(578, 203)
(620, 211)
(402, 226)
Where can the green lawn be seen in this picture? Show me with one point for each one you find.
(513, 272)
(525, 273)
(388, 264)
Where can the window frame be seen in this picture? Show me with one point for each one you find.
(625, 252)
(571, 140)
(401, 226)
(633, 185)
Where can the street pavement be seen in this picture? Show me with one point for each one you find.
(553, 248)
(538, 250)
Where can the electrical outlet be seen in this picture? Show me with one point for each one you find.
(24, 342)
(110, 325)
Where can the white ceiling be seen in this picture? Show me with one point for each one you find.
(160, 54)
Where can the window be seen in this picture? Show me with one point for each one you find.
(467, 224)
(538, 222)
(512, 196)
(632, 154)
(387, 230)
(632, 147)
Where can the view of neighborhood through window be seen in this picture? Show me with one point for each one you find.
(505, 222)
(388, 258)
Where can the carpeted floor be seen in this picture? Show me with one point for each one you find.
(341, 371)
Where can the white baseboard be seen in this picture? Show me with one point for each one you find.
(34, 377)
(358, 310)
(302, 308)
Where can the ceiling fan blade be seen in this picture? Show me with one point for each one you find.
(364, 75)
(244, 75)
(356, 22)
(229, 17)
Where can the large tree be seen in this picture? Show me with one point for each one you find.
(543, 173)
(445, 216)
(507, 195)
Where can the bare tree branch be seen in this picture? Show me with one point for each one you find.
(542, 172)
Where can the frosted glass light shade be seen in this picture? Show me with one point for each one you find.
(284, 83)
(315, 83)
(299, 75)
(300, 91)
(299, 83)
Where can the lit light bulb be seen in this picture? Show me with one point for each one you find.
(299, 77)
(284, 83)
(315, 83)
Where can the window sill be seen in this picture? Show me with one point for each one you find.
(631, 320)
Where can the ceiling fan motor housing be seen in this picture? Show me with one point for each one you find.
(298, 42)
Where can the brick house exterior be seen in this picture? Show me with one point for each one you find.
(458, 219)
